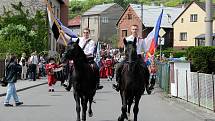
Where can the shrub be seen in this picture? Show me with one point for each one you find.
(202, 58)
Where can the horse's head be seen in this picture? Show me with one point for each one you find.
(73, 51)
(130, 50)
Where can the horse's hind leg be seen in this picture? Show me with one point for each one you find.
(136, 108)
(90, 112)
(78, 108)
(84, 101)
(123, 109)
(130, 101)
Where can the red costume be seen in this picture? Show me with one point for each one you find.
(102, 69)
(108, 67)
(49, 69)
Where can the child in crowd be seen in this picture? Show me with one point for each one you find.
(49, 69)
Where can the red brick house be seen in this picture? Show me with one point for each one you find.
(132, 15)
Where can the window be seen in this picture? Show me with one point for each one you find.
(129, 16)
(183, 36)
(105, 19)
(182, 20)
(193, 18)
(124, 33)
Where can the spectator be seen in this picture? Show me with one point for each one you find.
(33, 66)
(12, 70)
(23, 63)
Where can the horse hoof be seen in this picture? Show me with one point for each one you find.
(148, 92)
(90, 114)
(120, 119)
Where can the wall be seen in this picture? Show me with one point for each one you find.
(92, 22)
(107, 30)
(125, 24)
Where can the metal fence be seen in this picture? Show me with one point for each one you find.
(194, 87)
(163, 76)
(198, 89)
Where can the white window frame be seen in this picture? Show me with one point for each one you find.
(183, 36)
(193, 17)
(105, 19)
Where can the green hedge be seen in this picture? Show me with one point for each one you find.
(202, 58)
(175, 53)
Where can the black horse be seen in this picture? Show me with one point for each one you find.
(134, 80)
(83, 79)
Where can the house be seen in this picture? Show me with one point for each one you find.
(101, 20)
(132, 15)
(74, 24)
(189, 27)
(60, 9)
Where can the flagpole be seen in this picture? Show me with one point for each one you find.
(58, 26)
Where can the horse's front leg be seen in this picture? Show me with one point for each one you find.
(90, 112)
(123, 108)
(84, 101)
(136, 108)
(78, 108)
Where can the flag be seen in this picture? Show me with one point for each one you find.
(151, 41)
(56, 25)
(97, 54)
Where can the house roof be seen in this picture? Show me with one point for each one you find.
(151, 13)
(202, 36)
(98, 9)
(75, 21)
(200, 4)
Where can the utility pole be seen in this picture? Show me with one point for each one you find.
(142, 20)
(209, 23)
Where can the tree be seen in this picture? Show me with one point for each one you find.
(22, 32)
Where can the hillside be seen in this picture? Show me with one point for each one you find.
(77, 7)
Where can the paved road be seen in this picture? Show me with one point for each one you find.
(41, 105)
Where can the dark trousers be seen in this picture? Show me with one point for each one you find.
(33, 71)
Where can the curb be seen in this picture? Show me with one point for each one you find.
(22, 89)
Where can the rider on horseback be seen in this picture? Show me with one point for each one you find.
(88, 46)
(134, 34)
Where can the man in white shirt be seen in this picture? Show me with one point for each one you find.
(33, 66)
(140, 47)
(88, 46)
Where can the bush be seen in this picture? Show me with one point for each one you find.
(202, 59)
(175, 53)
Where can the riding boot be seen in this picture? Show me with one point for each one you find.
(98, 86)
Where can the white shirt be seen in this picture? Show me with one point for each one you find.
(140, 43)
(34, 59)
(89, 48)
